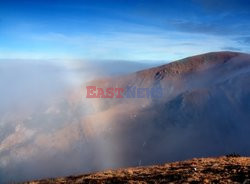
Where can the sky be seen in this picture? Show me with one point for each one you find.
(122, 29)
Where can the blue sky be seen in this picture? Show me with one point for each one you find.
(122, 29)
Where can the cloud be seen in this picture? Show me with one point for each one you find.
(42, 118)
(155, 31)
(244, 40)
(231, 48)
(224, 5)
(157, 44)
(198, 27)
(213, 27)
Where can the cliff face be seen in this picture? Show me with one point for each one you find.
(198, 170)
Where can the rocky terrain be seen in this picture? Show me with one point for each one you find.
(228, 169)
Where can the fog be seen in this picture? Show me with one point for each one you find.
(42, 107)
(49, 128)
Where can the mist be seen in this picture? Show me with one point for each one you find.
(44, 125)
(51, 129)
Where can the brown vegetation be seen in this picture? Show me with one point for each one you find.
(229, 169)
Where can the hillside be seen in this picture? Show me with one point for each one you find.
(198, 170)
(204, 112)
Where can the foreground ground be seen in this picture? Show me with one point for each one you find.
(230, 169)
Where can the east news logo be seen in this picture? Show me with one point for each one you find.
(128, 92)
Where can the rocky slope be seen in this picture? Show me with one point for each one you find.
(198, 170)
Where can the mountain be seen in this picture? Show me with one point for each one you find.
(204, 111)
(198, 170)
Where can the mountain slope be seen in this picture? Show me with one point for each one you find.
(204, 112)
(198, 170)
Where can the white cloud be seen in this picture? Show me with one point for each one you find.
(153, 45)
